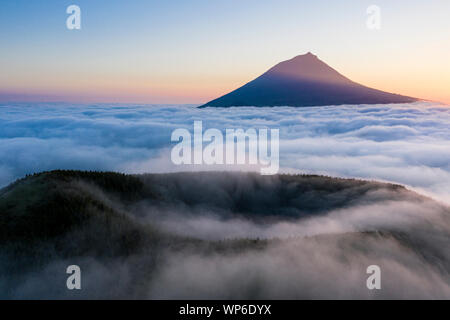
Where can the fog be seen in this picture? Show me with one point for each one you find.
(240, 235)
(309, 238)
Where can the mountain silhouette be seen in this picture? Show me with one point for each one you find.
(304, 80)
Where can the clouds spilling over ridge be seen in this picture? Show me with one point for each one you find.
(403, 143)
(220, 236)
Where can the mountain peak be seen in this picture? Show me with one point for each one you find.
(304, 80)
(309, 68)
(303, 57)
(306, 55)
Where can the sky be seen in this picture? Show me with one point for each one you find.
(193, 51)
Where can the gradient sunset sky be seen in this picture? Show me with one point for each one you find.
(193, 51)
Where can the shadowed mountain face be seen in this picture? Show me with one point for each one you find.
(219, 235)
(304, 81)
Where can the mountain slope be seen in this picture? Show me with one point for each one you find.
(219, 235)
(304, 81)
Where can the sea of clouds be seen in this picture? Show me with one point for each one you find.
(403, 143)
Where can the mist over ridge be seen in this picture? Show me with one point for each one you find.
(163, 236)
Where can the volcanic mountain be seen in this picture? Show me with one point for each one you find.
(304, 80)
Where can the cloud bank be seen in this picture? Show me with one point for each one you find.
(403, 143)
(197, 238)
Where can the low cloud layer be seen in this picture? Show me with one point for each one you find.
(405, 143)
(198, 235)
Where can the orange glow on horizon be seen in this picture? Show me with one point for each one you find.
(198, 89)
